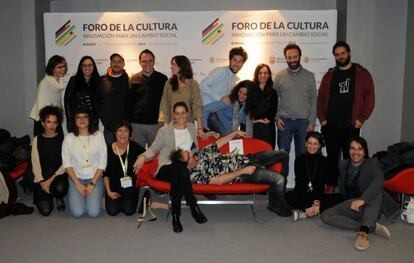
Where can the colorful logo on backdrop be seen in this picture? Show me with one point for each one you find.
(213, 32)
(65, 34)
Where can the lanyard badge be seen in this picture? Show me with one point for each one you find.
(85, 150)
(126, 180)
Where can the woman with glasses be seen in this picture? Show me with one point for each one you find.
(81, 89)
(84, 157)
(49, 91)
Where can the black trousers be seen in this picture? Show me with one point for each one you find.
(302, 201)
(265, 132)
(179, 178)
(337, 142)
(127, 203)
(58, 189)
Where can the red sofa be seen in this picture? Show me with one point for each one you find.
(145, 177)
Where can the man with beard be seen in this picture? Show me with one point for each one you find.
(296, 113)
(221, 80)
(346, 100)
(145, 94)
(111, 96)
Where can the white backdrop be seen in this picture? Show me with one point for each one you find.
(204, 37)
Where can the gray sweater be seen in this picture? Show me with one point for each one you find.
(297, 94)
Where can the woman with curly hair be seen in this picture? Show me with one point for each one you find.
(50, 178)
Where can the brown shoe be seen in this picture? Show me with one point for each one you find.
(362, 241)
(382, 231)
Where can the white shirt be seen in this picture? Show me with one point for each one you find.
(49, 92)
(85, 154)
(183, 139)
(218, 83)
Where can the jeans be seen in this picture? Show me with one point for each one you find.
(144, 134)
(264, 176)
(216, 125)
(109, 136)
(91, 204)
(269, 158)
(295, 128)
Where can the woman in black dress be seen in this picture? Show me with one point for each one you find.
(262, 105)
(310, 176)
(119, 177)
(50, 178)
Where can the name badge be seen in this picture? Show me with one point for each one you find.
(126, 182)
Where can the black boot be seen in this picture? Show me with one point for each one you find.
(60, 204)
(177, 227)
(198, 216)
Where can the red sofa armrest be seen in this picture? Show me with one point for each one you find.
(19, 170)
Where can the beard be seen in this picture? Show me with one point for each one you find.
(294, 65)
(343, 63)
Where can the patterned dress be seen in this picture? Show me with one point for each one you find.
(213, 163)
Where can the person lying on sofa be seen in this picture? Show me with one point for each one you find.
(208, 166)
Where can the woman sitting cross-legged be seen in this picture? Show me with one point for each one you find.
(310, 176)
(50, 178)
(119, 177)
(84, 157)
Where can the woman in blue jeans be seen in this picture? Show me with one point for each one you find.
(84, 157)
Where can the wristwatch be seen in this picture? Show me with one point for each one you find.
(91, 183)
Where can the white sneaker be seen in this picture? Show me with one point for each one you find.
(298, 215)
(382, 231)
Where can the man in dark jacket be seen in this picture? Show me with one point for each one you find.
(346, 100)
(111, 96)
(361, 183)
(144, 99)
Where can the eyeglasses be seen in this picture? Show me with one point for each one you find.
(87, 65)
(62, 66)
(80, 117)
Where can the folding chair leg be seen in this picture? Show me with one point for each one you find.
(169, 206)
(253, 208)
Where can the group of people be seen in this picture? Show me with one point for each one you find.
(115, 123)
